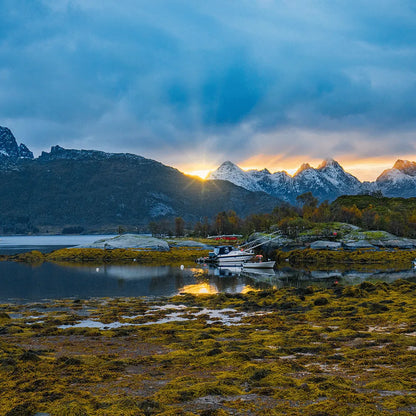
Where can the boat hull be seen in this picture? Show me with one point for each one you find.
(261, 265)
(233, 259)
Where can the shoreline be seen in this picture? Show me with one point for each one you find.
(308, 258)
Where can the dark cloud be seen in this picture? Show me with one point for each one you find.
(173, 80)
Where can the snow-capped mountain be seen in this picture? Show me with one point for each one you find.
(328, 181)
(399, 181)
(9, 150)
(230, 172)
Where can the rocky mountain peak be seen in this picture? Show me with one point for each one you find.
(405, 166)
(229, 165)
(9, 150)
(303, 167)
(265, 171)
(329, 163)
(227, 168)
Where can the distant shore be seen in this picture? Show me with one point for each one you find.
(188, 255)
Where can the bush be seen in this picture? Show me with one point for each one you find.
(73, 230)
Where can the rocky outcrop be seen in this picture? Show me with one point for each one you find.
(130, 241)
(60, 153)
(188, 243)
(358, 245)
(325, 245)
(10, 151)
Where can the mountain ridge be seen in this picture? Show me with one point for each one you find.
(328, 181)
(99, 191)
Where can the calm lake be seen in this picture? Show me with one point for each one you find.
(44, 243)
(22, 282)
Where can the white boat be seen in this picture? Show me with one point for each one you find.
(259, 265)
(228, 255)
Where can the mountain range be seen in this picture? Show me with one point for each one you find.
(99, 191)
(328, 181)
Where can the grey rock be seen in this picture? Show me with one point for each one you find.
(188, 243)
(356, 245)
(130, 241)
(396, 243)
(325, 245)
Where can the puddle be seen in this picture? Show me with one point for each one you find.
(225, 317)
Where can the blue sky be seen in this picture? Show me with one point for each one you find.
(194, 83)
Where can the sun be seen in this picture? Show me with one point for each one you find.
(200, 173)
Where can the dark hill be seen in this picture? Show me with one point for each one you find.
(99, 191)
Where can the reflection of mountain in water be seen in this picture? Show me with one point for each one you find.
(52, 281)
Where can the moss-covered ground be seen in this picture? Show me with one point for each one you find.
(338, 351)
(176, 255)
(390, 258)
(306, 258)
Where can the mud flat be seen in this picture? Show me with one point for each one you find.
(306, 351)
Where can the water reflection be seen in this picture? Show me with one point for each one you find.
(45, 243)
(200, 289)
(49, 281)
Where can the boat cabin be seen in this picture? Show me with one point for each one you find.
(221, 250)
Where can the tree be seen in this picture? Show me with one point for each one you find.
(179, 226)
(322, 213)
(154, 228)
(307, 199)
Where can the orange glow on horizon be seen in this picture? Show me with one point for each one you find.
(365, 169)
(200, 173)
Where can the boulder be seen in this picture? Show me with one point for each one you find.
(395, 243)
(130, 241)
(357, 245)
(325, 245)
(188, 243)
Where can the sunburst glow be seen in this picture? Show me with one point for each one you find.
(200, 173)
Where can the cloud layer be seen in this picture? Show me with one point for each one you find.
(188, 81)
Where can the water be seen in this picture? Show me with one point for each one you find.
(44, 243)
(23, 282)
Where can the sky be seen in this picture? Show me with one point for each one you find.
(193, 83)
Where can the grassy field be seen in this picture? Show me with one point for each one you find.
(310, 352)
